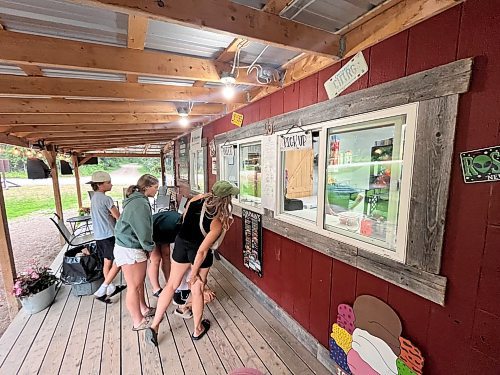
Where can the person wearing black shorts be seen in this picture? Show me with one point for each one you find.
(206, 219)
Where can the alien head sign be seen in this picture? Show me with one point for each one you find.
(481, 165)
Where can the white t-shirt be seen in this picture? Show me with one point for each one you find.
(102, 221)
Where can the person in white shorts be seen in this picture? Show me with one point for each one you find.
(134, 242)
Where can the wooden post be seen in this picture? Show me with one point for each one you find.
(50, 155)
(162, 163)
(77, 179)
(7, 260)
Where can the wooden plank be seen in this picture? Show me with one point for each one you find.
(72, 358)
(31, 70)
(50, 156)
(111, 350)
(101, 118)
(275, 6)
(58, 344)
(208, 353)
(13, 141)
(26, 129)
(55, 137)
(53, 106)
(12, 333)
(137, 30)
(130, 355)
(39, 336)
(7, 265)
(430, 183)
(121, 155)
(231, 18)
(255, 330)
(289, 334)
(392, 21)
(76, 168)
(64, 87)
(92, 353)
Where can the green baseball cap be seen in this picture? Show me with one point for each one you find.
(223, 188)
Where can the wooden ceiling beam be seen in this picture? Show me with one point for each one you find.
(50, 136)
(14, 141)
(14, 86)
(136, 38)
(72, 119)
(231, 18)
(69, 54)
(93, 127)
(138, 140)
(52, 106)
(121, 155)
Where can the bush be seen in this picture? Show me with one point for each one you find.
(33, 280)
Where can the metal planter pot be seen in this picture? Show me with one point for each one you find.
(40, 301)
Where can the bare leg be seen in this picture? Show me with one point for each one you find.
(112, 274)
(176, 273)
(165, 260)
(135, 275)
(106, 267)
(197, 300)
(154, 267)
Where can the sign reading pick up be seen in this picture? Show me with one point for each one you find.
(481, 165)
(296, 141)
(346, 76)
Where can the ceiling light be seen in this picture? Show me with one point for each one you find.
(183, 112)
(228, 78)
(184, 121)
(228, 92)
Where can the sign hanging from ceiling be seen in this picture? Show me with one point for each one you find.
(346, 76)
(196, 138)
(237, 119)
(296, 141)
(481, 165)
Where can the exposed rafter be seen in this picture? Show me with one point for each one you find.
(234, 19)
(67, 87)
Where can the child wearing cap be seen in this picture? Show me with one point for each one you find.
(104, 215)
(206, 219)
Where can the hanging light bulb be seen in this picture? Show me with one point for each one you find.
(184, 121)
(228, 92)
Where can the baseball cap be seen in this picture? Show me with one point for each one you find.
(223, 188)
(100, 176)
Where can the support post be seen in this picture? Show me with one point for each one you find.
(77, 179)
(50, 155)
(162, 164)
(7, 265)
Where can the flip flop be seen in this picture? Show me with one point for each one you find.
(104, 299)
(142, 326)
(157, 293)
(206, 324)
(151, 336)
(118, 289)
(150, 313)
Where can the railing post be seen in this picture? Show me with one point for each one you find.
(77, 179)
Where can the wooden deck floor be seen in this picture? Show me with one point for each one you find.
(79, 335)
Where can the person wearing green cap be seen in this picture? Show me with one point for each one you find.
(206, 219)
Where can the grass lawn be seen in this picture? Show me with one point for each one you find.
(26, 200)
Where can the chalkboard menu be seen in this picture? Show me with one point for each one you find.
(183, 158)
(252, 240)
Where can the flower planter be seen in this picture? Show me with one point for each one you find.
(40, 301)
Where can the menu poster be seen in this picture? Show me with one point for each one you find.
(252, 240)
(183, 159)
(269, 152)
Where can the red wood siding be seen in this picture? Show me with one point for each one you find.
(463, 336)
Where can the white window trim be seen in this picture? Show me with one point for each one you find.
(193, 171)
(411, 112)
(238, 143)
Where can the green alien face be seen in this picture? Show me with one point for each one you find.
(482, 163)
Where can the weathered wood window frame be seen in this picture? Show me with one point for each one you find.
(436, 91)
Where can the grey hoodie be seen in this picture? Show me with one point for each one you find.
(134, 228)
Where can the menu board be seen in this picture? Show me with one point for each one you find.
(252, 240)
(183, 159)
(269, 152)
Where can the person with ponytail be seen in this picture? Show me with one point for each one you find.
(134, 242)
(206, 219)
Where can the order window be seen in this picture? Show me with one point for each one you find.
(229, 164)
(197, 170)
(250, 174)
(299, 181)
(363, 176)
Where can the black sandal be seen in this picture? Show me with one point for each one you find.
(118, 289)
(104, 299)
(157, 293)
(151, 336)
(206, 325)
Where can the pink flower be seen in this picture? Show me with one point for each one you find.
(35, 276)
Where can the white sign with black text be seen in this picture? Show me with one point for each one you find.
(228, 151)
(196, 138)
(346, 76)
(296, 141)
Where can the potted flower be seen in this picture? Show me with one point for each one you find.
(84, 211)
(36, 288)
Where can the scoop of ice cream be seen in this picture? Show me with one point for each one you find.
(379, 319)
(375, 352)
(357, 365)
(339, 356)
(346, 317)
(411, 356)
(342, 338)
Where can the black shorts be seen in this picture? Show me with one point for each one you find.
(185, 252)
(105, 248)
